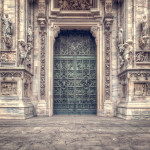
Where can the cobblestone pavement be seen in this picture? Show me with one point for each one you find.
(74, 133)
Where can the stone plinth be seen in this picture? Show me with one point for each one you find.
(15, 94)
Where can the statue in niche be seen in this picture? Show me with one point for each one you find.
(22, 52)
(120, 36)
(145, 27)
(7, 31)
(30, 34)
(108, 7)
(129, 53)
(144, 33)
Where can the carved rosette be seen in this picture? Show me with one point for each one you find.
(107, 22)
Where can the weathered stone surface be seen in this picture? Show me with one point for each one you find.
(74, 133)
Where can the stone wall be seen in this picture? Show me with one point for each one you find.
(28, 32)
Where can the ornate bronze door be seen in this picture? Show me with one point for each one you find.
(75, 89)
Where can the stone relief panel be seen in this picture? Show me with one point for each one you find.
(142, 89)
(8, 57)
(142, 56)
(9, 88)
(75, 4)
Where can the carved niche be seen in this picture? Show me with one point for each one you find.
(8, 88)
(7, 31)
(144, 37)
(75, 4)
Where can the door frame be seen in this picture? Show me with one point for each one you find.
(96, 28)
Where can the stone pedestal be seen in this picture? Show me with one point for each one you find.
(134, 110)
(15, 94)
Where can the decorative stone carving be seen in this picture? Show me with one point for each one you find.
(143, 41)
(94, 31)
(107, 23)
(142, 57)
(128, 53)
(10, 74)
(9, 88)
(8, 57)
(42, 69)
(142, 89)
(22, 52)
(7, 31)
(30, 34)
(74, 4)
(56, 31)
(108, 7)
(121, 47)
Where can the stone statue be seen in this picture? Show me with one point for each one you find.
(143, 41)
(120, 36)
(22, 52)
(7, 25)
(7, 31)
(145, 27)
(30, 34)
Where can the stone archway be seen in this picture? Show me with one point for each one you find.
(96, 31)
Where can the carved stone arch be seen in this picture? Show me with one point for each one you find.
(96, 31)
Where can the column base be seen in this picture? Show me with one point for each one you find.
(42, 108)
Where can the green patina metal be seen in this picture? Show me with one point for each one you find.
(75, 89)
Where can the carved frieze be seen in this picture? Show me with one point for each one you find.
(74, 4)
(7, 31)
(8, 88)
(10, 74)
(8, 57)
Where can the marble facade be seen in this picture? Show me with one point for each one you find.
(121, 29)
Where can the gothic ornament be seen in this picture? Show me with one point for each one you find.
(74, 4)
(107, 22)
(143, 41)
(42, 69)
(7, 31)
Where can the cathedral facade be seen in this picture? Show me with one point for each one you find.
(75, 57)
